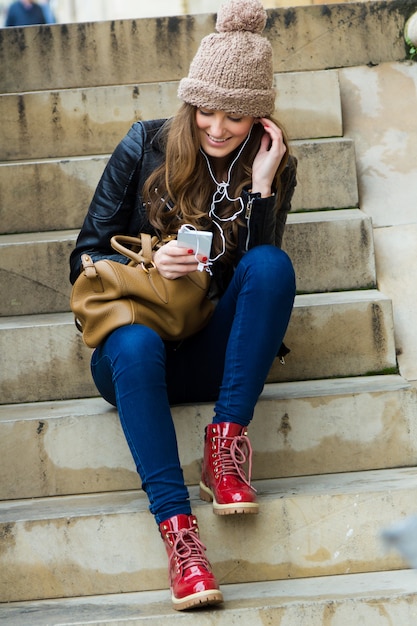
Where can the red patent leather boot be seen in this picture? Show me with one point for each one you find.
(223, 481)
(192, 581)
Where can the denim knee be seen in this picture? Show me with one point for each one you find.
(133, 342)
(271, 264)
(128, 350)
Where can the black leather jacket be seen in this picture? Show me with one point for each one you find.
(117, 206)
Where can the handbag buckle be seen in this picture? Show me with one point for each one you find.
(89, 268)
(148, 266)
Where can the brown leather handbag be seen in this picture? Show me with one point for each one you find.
(108, 294)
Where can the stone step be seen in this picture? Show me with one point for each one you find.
(331, 250)
(338, 334)
(86, 121)
(299, 428)
(332, 185)
(330, 335)
(34, 270)
(377, 598)
(57, 192)
(99, 544)
(110, 53)
(55, 195)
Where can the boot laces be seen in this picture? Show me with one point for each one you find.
(232, 458)
(188, 550)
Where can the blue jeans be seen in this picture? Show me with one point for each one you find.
(226, 363)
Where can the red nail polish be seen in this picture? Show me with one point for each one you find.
(190, 251)
(205, 259)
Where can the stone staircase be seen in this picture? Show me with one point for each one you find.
(334, 434)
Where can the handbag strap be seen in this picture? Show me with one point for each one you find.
(147, 246)
(145, 243)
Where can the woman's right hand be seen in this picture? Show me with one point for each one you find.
(173, 261)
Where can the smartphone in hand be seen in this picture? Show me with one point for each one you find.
(199, 241)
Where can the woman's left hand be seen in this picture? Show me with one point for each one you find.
(172, 261)
(269, 156)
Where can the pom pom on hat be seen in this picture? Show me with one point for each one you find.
(242, 15)
(232, 69)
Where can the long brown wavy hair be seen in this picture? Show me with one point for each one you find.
(180, 190)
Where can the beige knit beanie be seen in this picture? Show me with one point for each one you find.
(232, 69)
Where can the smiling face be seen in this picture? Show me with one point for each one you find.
(220, 133)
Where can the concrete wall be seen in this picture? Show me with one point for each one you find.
(379, 114)
(80, 11)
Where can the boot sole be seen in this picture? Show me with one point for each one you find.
(197, 600)
(207, 495)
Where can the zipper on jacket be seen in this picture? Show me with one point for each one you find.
(249, 208)
(248, 214)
